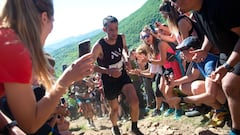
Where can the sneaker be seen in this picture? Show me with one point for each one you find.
(92, 125)
(207, 117)
(164, 107)
(168, 112)
(218, 119)
(203, 109)
(136, 132)
(178, 113)
(192, 113)
(232, 133)
(156, 112)
(115, 131)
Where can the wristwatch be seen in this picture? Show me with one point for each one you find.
(7, 128)
(228, 67)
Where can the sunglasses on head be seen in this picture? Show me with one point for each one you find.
(145, 36)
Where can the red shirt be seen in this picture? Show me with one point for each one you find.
(15, 60)
(172, 64)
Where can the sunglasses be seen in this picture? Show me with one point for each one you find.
(145, 36)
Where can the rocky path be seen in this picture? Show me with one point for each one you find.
(159, 125)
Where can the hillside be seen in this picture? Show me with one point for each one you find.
(130, 26)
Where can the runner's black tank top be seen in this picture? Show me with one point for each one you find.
(112, 54)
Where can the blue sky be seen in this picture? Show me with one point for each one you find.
(74, 17)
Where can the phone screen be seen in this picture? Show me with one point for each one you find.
(83, 47)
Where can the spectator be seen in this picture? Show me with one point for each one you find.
(206, 92)
(137, 82)
(222, 29)
(25, 26)
(163, 54)
(148, 74)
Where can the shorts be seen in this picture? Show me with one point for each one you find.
(84, 100)
(113, 86)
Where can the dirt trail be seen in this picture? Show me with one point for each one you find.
(159, 125)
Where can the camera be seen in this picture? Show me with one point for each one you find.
(83, 47)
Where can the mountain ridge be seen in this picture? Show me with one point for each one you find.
(131, 26)
(67, 41)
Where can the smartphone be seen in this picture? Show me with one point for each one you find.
(64, 67)
(152, 28)
(84, 47)
(62, 100)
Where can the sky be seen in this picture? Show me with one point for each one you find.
(75, 17)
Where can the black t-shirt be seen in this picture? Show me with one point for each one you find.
(216, 18)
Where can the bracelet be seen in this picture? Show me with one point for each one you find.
(228, 67)
(8, 127)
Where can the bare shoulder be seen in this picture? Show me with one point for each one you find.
(122, 35)
(184, 23)
(163, 44)
(97, 49)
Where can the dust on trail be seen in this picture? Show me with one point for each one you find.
(159, 125)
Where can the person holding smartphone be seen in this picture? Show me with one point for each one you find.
(24, 27)
(221, 25)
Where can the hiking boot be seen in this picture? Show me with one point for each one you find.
(115, 131)
(218, 119)
(168, 112)
(178, 113)
(136, 132)
(156, 112)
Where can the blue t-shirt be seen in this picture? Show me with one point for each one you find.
(208, 65)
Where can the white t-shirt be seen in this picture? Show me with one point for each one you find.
(155, 68)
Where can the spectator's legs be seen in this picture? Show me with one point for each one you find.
(149, 91)
(230, 84)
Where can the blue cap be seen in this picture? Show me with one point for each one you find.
(191, 41)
